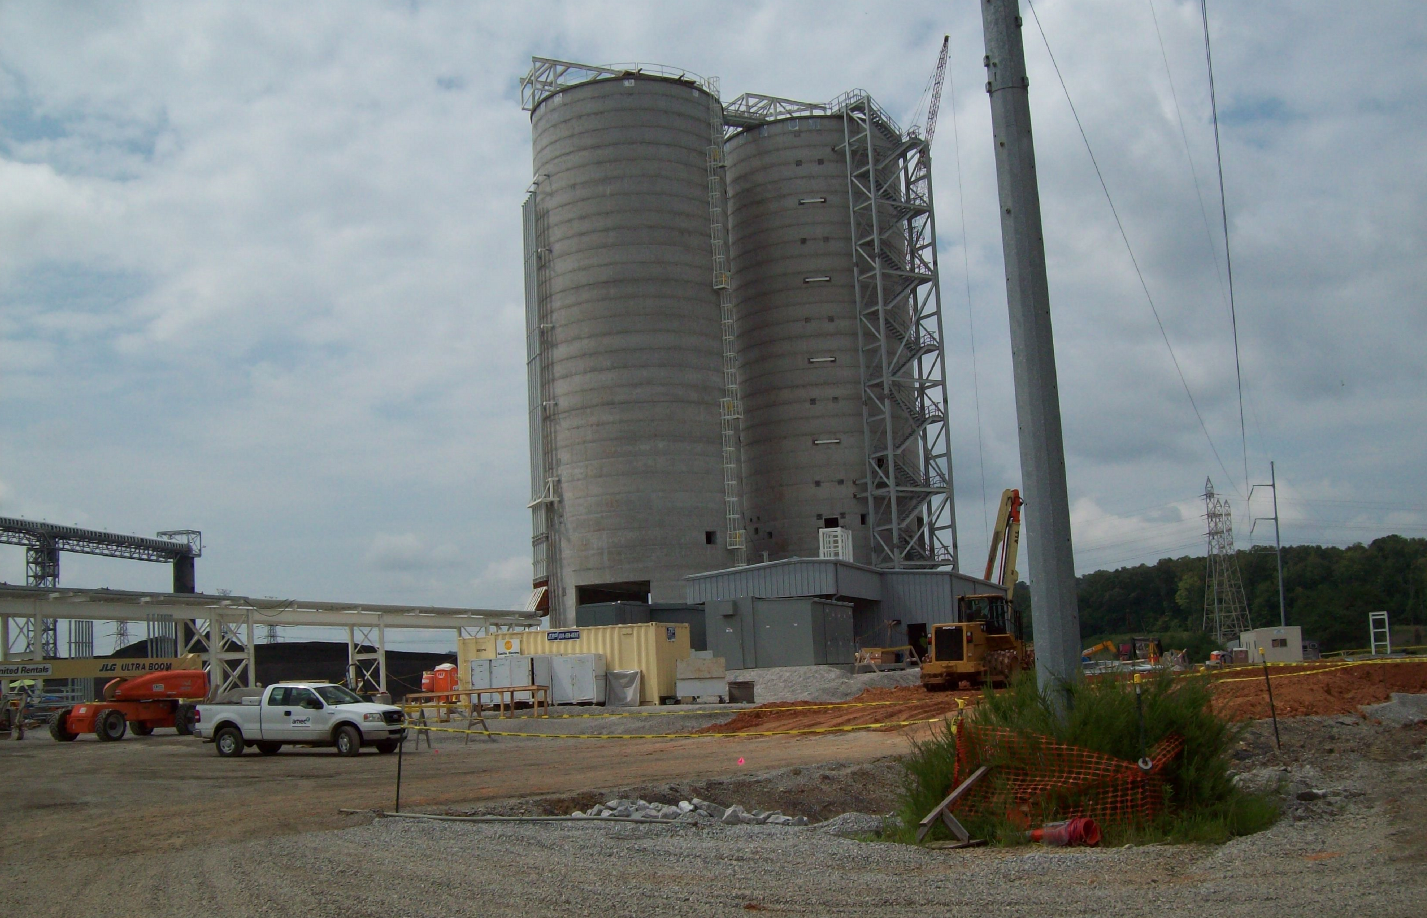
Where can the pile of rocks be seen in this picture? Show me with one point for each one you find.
(695, 809)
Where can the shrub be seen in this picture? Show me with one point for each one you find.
(1202, 803)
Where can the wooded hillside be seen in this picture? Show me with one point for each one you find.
(1328, 591)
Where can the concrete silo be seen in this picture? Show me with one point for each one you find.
(804, 449)
(624, 336)
(839, 332)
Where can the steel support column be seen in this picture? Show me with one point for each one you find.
(366, 668)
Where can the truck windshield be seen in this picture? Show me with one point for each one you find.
(335, 694)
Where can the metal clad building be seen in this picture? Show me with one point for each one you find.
(624, 340)
(804, 449)
(884, 601)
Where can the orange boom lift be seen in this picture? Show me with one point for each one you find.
(143, 703)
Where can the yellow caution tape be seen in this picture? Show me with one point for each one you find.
(1311, 672)
(804, 731)
(460, 709)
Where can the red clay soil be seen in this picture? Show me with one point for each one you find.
(907, 703)
(1331, 688)
(1239, 694)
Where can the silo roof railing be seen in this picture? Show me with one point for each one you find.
(752, 109)
(548, 76)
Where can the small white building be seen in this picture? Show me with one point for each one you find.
(1280, 645)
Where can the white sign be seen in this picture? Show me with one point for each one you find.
(505, 647)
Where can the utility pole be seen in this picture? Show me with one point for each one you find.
(1277, 542)
(1055, 614)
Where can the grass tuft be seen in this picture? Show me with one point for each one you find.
(1203, 805)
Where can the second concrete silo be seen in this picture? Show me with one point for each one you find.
(624, 330)
(841, 371)
(804, 451)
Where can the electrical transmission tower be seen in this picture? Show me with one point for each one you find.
(270, 635)
(1226, 614)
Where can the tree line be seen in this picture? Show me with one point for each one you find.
(1328, 591)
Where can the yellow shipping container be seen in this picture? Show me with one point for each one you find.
(653, 649)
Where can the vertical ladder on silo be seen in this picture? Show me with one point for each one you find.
(730, 406)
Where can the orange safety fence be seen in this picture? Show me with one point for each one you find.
(1034, 779)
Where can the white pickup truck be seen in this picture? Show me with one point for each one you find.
(300, 714)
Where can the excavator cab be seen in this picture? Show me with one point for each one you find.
(994, 611)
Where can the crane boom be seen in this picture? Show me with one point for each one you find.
(1005, 540)
(936, 89)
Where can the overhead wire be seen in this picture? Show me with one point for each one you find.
(1224, 216)
(1135, 261)
(970, 317)
(1193, 171)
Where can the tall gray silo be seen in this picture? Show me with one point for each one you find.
(624, 336)
(804, 452)
(841, 368)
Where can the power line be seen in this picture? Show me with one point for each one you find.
(1124, 513)
(970, 318)
(1391, 504)
(1184, 135)
(1135, 261)
(1224, 215)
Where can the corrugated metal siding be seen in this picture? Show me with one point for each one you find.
(795, 577)
(642, 647)
(928, 597)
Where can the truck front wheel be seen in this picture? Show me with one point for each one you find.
(269, 748)
(229, 741)
(142, 728)
(387, 746)
(110, 726)
(348, 740)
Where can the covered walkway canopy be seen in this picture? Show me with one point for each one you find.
(220, 628)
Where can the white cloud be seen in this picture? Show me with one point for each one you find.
(408, 552)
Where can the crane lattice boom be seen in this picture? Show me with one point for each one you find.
(936, 89)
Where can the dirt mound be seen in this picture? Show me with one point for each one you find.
(892, 706)
(1331, 688)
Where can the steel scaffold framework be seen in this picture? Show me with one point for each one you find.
(911, 514)
(730, 405)
(221, 629)
(548, 76)
(44, 541)
(1226, 613)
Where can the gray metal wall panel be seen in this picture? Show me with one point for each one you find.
(784, 632)
(725, 632)
(839, 644)
(799, 577)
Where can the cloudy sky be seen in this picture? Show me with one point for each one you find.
(260, 267)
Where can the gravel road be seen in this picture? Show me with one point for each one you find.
(1355, 845)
